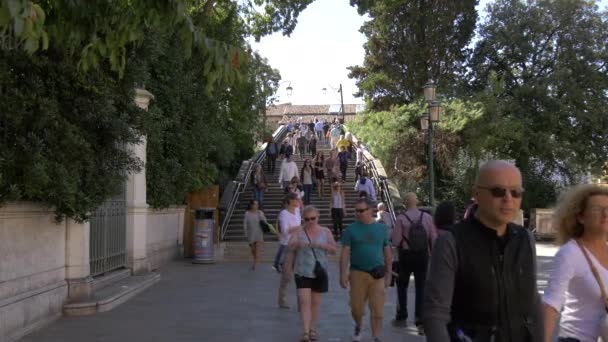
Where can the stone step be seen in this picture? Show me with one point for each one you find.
(324, 217)
(274, 196)
(240, 252)
(237, 229)
(279, 195)
(111, 296)
(276, 204)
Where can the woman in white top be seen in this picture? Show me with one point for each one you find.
(253, 229)
(288, 221)
(337, 207)
(581, 222)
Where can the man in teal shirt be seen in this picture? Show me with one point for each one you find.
(365, 245)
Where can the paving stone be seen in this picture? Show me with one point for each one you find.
(224, 303)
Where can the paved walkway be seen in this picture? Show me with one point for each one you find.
(225, 303)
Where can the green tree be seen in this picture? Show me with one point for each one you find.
(197, 138)
(408, 43)
(62, 134)
(541, 70)
(395, 138)
(63, 131)
(98, 31)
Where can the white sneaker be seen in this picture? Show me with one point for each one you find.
(357, 335)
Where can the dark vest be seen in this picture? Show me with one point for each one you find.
(495, 285)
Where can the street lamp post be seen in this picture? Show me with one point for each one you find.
(433, 116)
(341, 100)
(288, 90)
(342, 103)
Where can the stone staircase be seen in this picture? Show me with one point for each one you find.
(274, 195)
(235, 246)
(235, 241)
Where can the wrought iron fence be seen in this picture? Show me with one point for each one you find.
(108, 236)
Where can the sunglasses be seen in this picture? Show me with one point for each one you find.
(308, 219)
(598, 210)
(499, 192)
(361, 210)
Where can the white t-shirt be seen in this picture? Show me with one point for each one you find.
(573, 287)
(286, 221)
(289, 169)
(337, 200)
(359, 155)
(319, 126)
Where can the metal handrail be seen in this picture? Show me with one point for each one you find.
(380, 182)
(240, 185)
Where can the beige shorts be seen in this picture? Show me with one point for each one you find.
(364, 287)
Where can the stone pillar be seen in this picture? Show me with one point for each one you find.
(137, 206)
(519, 218)
(77, 267)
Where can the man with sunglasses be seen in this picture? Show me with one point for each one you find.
(365, 245)
(482, 279)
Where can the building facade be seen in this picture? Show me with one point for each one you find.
(282, 113)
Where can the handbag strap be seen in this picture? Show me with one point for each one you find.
(595, 272)
(309, 240)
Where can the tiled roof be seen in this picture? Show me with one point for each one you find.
(288, 108)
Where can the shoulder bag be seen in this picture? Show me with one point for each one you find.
(600, 283)
(320, 272)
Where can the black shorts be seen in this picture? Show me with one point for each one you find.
(309, 283)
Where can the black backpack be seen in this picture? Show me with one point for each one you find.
(417, 238)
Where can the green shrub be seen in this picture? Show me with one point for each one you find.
(62, 133)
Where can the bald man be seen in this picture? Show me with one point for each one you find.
(414, 236)
(482, 278)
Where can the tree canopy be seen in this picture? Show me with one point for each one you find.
(68, 73)
(102, 31)
(542, 70)
(410, 42)
(536, 70)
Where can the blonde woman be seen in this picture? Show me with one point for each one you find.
(581, 222)
(307, 245)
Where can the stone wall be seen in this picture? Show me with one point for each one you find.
(33, 288)
(541, 220)
(164, 235)
(275, 121)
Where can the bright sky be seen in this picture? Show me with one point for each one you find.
(325, 42)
